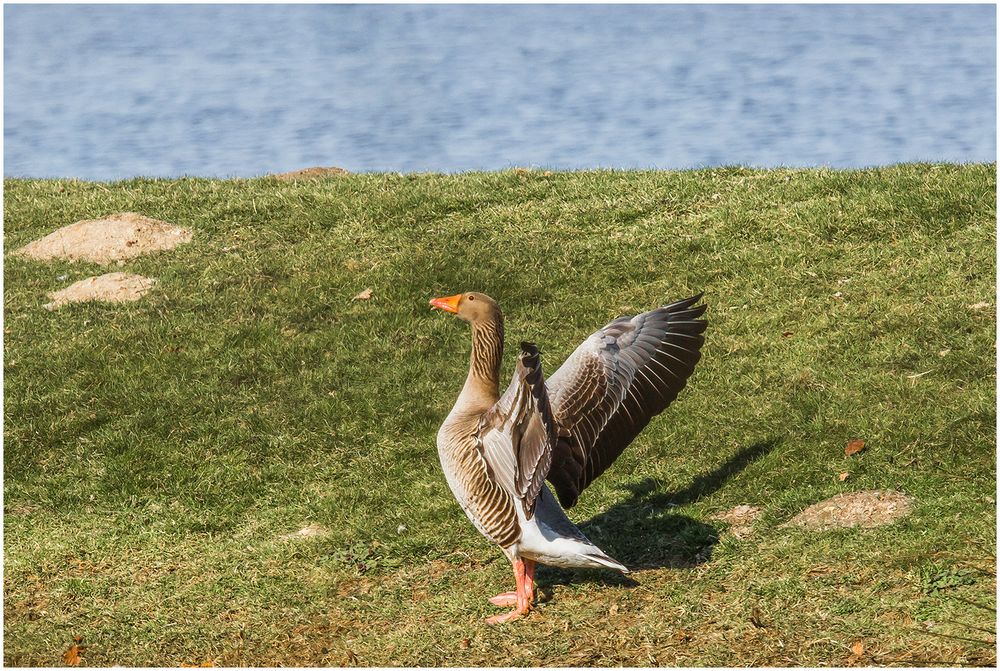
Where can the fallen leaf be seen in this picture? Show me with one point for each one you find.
(857, 648)
(979, 306)
(681, 635)
(843, 476)
(464, 644)
(785, 334)
(854, 447)
(72, 656)
(364, 295)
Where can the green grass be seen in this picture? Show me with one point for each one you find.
(156, 453)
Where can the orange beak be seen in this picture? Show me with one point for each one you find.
(448, 303)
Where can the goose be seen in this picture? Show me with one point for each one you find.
(497, 451)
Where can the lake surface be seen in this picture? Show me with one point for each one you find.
(114, 91)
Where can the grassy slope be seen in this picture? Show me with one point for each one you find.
(156, 452)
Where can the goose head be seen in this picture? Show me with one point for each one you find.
(471, 306)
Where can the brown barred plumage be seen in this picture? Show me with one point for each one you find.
(497, 451)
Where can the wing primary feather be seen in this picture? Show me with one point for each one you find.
(609, 389)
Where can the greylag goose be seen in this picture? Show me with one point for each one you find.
(497, 451)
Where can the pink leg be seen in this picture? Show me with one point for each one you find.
(529, 581)
(521, 596)
(510, 598)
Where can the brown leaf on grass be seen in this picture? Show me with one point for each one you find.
(72, 656)
(857, 648)
(681, 636)
(364, 295)
(854, 447)
(464, 644)
(757, 618)
(785, 334)
(843, 476)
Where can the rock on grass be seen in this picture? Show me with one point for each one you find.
(867, 509)
(112, 288)
(119, 237)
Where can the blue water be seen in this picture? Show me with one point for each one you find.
(112, 91)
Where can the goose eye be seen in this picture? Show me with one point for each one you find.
(472, 298)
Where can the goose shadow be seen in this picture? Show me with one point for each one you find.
(644, 532)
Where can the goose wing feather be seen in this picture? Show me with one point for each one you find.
(518, 434)
(613, 384)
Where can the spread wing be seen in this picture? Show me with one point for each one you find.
(518, 434)
(613, 384)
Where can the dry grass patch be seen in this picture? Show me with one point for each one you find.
(310, 173)
(740, 519)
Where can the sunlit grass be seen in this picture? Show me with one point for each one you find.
(157, 453)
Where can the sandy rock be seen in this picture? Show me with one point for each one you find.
(310, 173)
(867, 509)
(118, 237)
(112, 288)
(740, 519)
